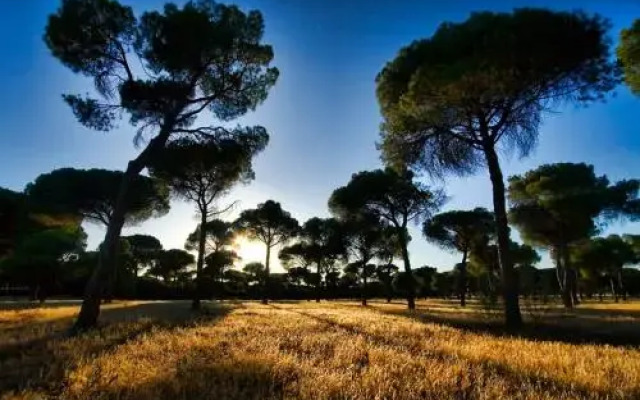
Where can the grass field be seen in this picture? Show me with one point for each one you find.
(332, 350)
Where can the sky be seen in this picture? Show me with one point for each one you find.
(322, 115)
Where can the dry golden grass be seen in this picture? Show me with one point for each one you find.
(306, 351)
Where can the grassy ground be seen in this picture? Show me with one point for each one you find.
(334, 350)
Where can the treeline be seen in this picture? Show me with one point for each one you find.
(452, 104)
(357, 253)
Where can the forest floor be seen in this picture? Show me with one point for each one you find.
(331, 350)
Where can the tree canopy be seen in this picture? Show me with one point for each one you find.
(460, 231)
(92, 193)
(271, 225)
(201, 56)
(391, 196)
(451, 100)
(629, 56)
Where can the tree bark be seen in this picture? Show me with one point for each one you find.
(614, 292)
(621, 286)
(265, 284)
(363, 295)
(90, 309)
(411, 296)
(463, 279)
(564, 279)
(197, 296)
(318, 283)
(513, 318)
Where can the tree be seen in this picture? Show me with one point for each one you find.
(321, 243)
(385, 274)
(39, 259)
(393, 197)
(219, 237)
(629, 56)
(271, 225)
(557, 205)
(91, 193)
(365, 238)
(170, 264)
(459, 230)
(452, 101)
(202, 171)
(606, 256)
(144, 249)
(256, 271)
(363, 272)
(203, 56)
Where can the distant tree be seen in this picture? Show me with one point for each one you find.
(557, 205)
(451, 102)
(144, 249)
(39, 259)
(203, 56)
(271, 225)
(385, 273)
(320, 243)
(203, 171)
(629, 56)
(365, 237)
(170, 264)
(92, 193)
(256, 272)
(606, 256)
(391, 196)
(459, 230)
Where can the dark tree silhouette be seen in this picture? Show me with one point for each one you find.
(203, 56)
(459, 230)
(144, 249)
(321, 243)
(203, 171)
(385, 273)
(40, 257)
(256, 272)
(219, 237)
(557, 205)
(451, 101)
(606, 257)
(393, 197)
(365, 237)
(271, 225)
(170, 264)
(629, 56)
(92, 194)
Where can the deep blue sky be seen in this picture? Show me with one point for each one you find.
(322, 115)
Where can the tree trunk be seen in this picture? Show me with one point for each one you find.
(614, 292)
(411, 296)
(621, 286)
(564, 277)
(573, 276)
(319, 283)
(463, 279)
(363, 295)
(197, 296)
(265, 284)
(513, 318)
(90, 309)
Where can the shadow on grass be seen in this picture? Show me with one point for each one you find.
(41, 356)
(567, 327)
(222, 378)
(473, 382)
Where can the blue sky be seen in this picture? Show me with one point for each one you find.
(322, 115)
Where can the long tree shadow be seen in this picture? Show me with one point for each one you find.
(569, 328)
(475, 376)
(40, 361)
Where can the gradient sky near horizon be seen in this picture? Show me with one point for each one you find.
(322, 115)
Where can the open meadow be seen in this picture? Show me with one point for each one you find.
(331, 350)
